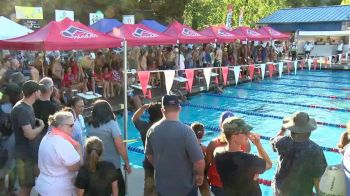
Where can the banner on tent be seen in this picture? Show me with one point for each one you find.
(29, 12)
(95, 17)
(62, 14)
(129, 19)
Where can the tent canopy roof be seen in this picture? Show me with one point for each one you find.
(250, 34)
(221, 34)
(186, 35)
(10, 29)
(106, 25)
(139, 35)
(153, 24)
(273, 34)
(63, 35)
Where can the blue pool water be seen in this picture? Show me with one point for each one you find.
(314, 85)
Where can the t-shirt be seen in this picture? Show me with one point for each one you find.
(55, 155)
(298, 162)
(68, 79)
(340, 47)
(23, 114)
(142, 127)
(174, 148)
(99, 182)
(107, 133)
(308, 47)
(237, 171)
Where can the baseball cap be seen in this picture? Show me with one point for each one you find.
(235, 125)
(30, 87)
(170, 100)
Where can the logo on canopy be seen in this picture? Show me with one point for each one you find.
(189, 32)
(253, 33)
(73, 32)
(224, 33)
(273, 32)
(141, 33)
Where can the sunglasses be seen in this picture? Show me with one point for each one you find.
(70, 125)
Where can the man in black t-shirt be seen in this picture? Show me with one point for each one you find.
(43, 108)
(155, 113)
(26, 128)
(239, 170)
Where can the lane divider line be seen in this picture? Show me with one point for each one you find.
(277, 102)
(303, 86)
(256, 114)
(322, 76)
(321, 81)
(294, 93)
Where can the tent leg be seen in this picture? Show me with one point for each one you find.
(126, 108)
(42, 64)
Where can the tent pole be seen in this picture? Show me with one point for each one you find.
(42, 64)
(126, 108)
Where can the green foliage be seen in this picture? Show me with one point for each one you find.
(345, 2)
(202, 13)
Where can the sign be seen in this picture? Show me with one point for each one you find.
(252, 33)
(73, 32)
(94, 17)
(62, 14)
(229, 17)
(224, 33)
(141, 33)
(31, 24)
(129, 19)
(29, 12)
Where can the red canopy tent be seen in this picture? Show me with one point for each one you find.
(139, 34)
(250, 34)
(186, 35)
(221, 34)
(63, 35)
(273, 34)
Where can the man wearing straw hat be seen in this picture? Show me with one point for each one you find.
(301, 161)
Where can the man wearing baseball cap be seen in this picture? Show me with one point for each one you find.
(301, 161)
(26, 128)
(238, 170)
(172, 148)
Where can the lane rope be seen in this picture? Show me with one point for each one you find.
(323, 76)
(294, 93)
(310, 80)
(277, 102)
(303, 86)
(256, 114)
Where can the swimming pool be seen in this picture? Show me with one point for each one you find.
(263, 104)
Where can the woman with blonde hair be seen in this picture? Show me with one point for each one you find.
(96, 177)
(59, 157)
(344, 138)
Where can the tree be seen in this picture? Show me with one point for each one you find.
(202, 13)
(345, 2)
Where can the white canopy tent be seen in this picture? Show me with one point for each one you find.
(11, 29)
(323, 33)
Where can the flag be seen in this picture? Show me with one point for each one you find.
(240, 19)
(229, 17)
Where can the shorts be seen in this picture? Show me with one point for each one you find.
(26, 172)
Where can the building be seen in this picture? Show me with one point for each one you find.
(323, 26)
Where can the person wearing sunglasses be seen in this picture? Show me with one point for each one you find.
(60, 156)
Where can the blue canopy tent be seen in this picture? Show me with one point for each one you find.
(106, 25)
(154, 25)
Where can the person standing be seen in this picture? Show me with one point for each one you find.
(155, 114)
(340, 47)
(293, 50)
(44, 107)
(239, 170)
(104, 125)
(79, 128)
(173, 150)
(60, 157)
(26, 128)
(300, 159)
(308, 48)
(96, 177)
(218, 56)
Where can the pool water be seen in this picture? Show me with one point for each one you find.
(263, 103)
